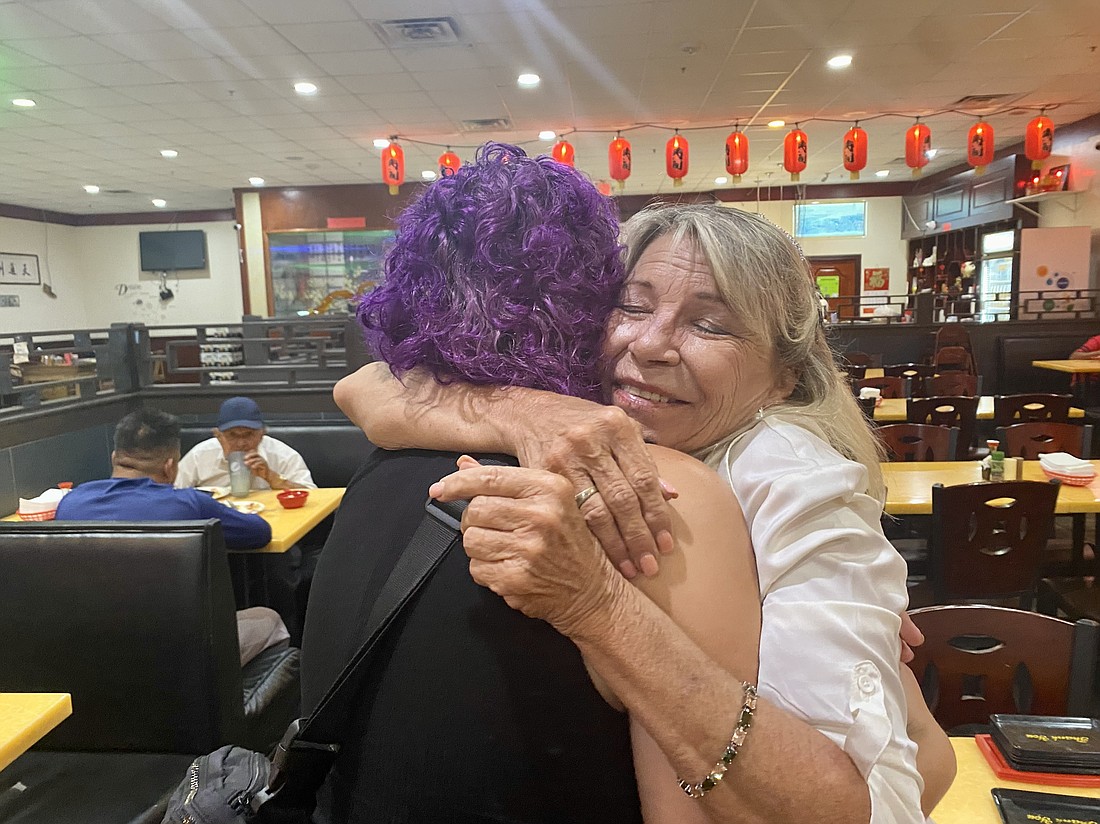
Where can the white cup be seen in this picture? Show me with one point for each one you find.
(868, 392)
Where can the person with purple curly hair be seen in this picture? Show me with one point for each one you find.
(505, 274)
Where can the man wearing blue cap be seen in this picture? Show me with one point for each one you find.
(241, 428)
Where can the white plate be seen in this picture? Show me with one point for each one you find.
(215, 492)
(249, 507)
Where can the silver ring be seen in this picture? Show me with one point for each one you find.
(584, 495)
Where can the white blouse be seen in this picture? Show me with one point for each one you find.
(832, 589)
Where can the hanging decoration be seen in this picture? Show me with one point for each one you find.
(604, 188)
(737, 153)
(795, 151)
(855, 151)
(1039, 140)
(979, 146)
(676, 158)
(619, 159)
(449, 163)
(393, 166)
(563, 152)
(918, 142)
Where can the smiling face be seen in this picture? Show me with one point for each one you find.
(679, 361)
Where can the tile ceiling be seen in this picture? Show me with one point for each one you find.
(116, 81)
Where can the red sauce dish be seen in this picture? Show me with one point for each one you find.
(293, 498)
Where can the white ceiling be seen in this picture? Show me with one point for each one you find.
(116, 81)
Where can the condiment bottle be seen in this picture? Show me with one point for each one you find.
(997, 465)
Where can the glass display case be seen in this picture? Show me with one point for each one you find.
(316, 272)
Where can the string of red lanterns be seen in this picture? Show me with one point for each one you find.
(980, 148)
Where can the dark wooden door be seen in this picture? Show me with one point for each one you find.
(846, 271)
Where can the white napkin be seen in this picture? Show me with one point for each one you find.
(46, 502)
(1066, 464)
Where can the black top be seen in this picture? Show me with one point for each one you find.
(472, 712)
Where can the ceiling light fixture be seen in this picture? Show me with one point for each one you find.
(160, 204)
(841, 61)
(256, 181)
(547, 134)
(428, 174)
(721, 181)
(305, 88)
(169, 153)
(528, 80)
(776, 124)
(24, 102)
(92, 190)
(882, 173)
(381, 142)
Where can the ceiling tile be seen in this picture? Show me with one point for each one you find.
(203, 14)
(41, 78)
(122, 74)
(154, 46)
(294, 11)
(319, 38)
(244, 41)
(21, 22)
(366, 62)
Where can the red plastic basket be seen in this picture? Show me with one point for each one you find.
(38, 516)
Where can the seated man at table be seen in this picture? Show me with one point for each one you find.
(144, 463)
(241, 428)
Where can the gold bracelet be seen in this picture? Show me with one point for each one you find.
(744, 721)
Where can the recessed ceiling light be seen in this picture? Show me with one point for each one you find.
(882, 173)
(160, 204)
(547, 134)
(169, 153)
(931, 153)
(721, 181)
(776, 124)
(381, 143)
(25, 102)
(256, 181)
(528, 80)
(92, 190)
(841, 61)
(305, 88)
(428, 174)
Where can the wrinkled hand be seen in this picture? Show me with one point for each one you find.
(255, 462)
(602, 447)
(911, 637)
(528, 543)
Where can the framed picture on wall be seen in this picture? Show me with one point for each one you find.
(19, 270)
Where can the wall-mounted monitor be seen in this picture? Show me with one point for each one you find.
(170, 251)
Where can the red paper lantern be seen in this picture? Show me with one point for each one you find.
(393, 166)
(1038, 140)
(918, 142)
(676, 159)
(855, 151)
(737, 154)
(795, 150)
(979, 146)
(619, 159)
(563, 152)
(449, 163)
(604, 188)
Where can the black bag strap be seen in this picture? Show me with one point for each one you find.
(304, 756)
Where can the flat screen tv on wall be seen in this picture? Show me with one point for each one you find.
(169, 251)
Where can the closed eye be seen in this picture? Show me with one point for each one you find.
(711, 328)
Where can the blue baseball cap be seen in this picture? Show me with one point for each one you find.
(240, 412)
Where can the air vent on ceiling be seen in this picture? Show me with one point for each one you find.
(419, 31)
(979, 99)
(486, 124)
(118, 191)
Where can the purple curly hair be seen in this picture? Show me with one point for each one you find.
(504, 274)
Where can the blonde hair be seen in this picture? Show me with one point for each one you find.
(766, 282)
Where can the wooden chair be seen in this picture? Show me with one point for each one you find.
(855, 373)
(1030, 440)
(960, 411)
(951, 334)
(954, 358)
(889, 387)
(979, 660)
(953, 383)
(917, 373)
(1034, 406)
(988, 540)
(918, 441)
(857, 359)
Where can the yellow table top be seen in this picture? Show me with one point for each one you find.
(287, 525)
(893, 410)
(873, 372)
(1074, 367)
(909, 485)
(27, 716)
(969, 802)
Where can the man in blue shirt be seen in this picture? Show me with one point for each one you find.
(144, 464)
